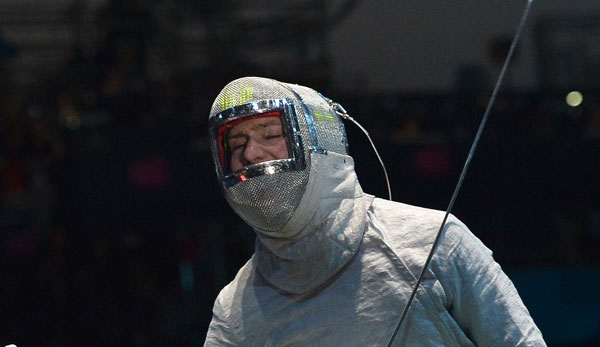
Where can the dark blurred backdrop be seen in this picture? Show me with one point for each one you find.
(113, 231)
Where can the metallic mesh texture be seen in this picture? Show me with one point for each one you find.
(248, 89)
(328, 125)
(268, 202)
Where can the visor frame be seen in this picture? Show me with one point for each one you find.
(289, 122)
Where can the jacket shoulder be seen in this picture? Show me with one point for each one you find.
(224, 327)
(234, 289)
(411, 230)
(408, 222)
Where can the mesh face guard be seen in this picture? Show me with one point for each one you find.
(266, 194)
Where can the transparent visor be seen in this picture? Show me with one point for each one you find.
(258, 138)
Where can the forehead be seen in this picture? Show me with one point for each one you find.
(254, 123)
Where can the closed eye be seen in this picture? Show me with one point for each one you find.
(237, 144)
(237, 147)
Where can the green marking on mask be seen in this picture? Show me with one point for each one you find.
(324, 116)
(231, 99)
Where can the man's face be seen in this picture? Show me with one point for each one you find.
(256, 140)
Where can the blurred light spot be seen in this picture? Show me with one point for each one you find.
(73, 122)
(574, 99)
(186, 276)
(149, 173)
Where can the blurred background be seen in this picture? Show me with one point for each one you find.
(113, 231)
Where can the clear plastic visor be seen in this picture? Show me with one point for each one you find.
(253, 139)
(256, 141)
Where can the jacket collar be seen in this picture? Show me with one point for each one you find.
(324, 232)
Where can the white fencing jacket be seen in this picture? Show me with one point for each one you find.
(343, 277)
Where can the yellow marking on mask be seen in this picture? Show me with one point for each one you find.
(227, 101)
(231, 99)
(324, 117)
(246, 95)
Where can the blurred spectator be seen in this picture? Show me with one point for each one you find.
(7, 52)
(129, 28)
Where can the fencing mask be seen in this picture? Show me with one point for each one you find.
(262, 133)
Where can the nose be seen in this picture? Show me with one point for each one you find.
(255, 153)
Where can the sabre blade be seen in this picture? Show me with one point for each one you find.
(466, 165)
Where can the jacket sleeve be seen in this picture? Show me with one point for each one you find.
(482, 299)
